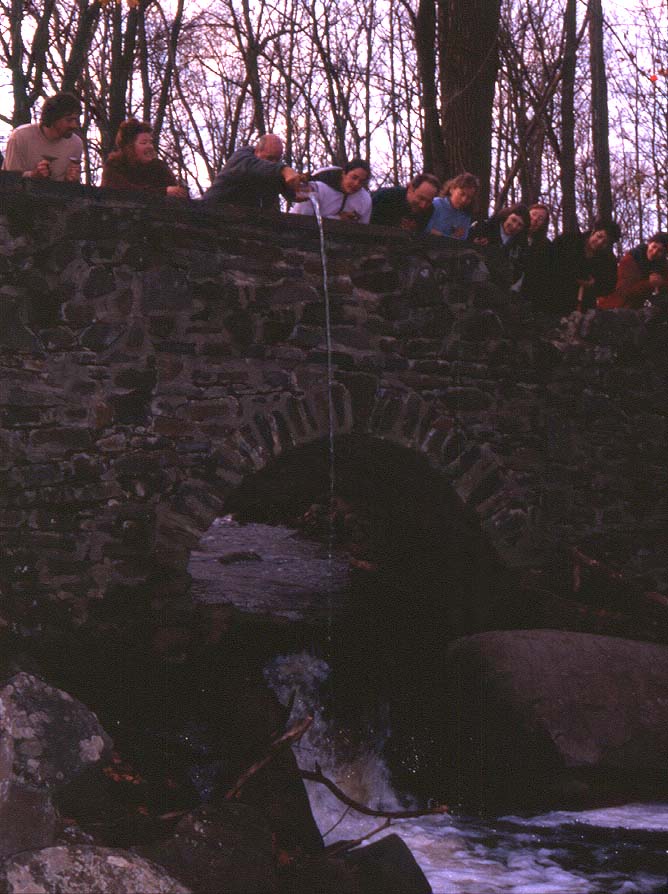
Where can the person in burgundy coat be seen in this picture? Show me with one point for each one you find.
(642, 275)
(135, 164)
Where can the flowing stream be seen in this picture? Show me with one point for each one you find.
(273, 571)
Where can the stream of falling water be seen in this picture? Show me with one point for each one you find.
(616, 850)
(313, 198)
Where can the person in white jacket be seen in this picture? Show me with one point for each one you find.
(340, 192)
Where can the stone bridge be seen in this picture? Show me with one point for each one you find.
(156, 356)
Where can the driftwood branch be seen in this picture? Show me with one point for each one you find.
(318, 776)
(292, 735)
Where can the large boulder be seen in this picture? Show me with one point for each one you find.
(55, 737)
(82, 869)
(538, 717)
(47, 738)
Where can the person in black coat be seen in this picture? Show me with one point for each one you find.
(504, 239)
(584, 267)
(407, 207)
(538, 260)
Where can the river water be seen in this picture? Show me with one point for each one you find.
(272, 571)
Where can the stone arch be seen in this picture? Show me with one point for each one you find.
(371, 456)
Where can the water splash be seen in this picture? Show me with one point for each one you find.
(359, 770)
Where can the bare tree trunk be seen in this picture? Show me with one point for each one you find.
(172, 40)
(568, 206)
(89, 14)
(142, 57)
(424, 23)
(599, 111)
(27, 66)
(123, 43)
(469, 63)
(394, 116)
(251, 56)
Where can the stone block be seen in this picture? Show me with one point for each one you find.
(388, 865)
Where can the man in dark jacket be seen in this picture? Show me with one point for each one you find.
(255, 177)
(642, 275)
(408, 207)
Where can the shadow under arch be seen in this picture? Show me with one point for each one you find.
(433, 576)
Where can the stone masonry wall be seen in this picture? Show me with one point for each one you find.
(154, 353)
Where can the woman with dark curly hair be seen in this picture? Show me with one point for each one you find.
(504, 236)
(135, 164)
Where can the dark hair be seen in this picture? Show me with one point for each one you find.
(426, 178)
(129, 131)
(59, 106)
(461, 181)
(520, 210)
(611, 227)
(358, 163)
(661, 238)
(541, 206)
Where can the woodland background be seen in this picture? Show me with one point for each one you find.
(565, 101)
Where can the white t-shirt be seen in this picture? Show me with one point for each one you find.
(332, 202)
(27, 146)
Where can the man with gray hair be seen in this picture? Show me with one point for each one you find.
(255, 177)
(50, 150)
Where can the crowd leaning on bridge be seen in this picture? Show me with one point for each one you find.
(575, 271)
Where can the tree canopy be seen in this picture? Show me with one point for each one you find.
(559, 100)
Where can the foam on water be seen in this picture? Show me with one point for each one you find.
(648, 817)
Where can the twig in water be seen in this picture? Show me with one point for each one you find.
(292, 735)
(318, 776)
(337, 823)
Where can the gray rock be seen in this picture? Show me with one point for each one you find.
(54, 736)
(82, 869)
